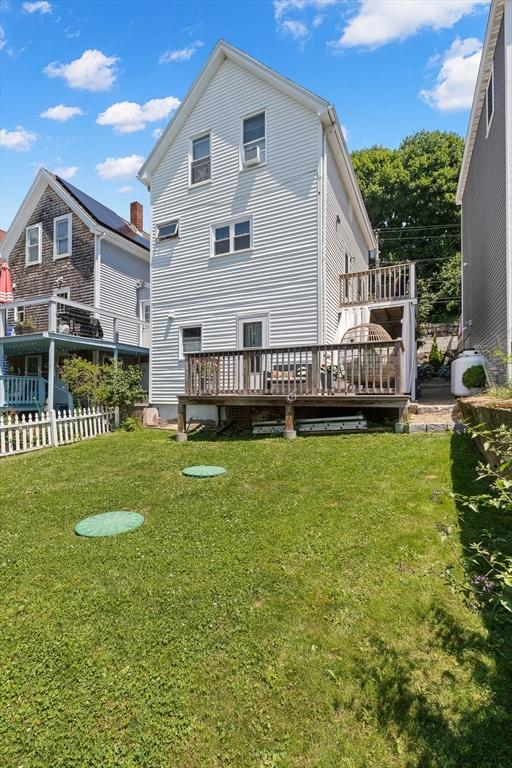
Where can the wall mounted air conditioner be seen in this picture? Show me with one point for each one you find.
(252, 156)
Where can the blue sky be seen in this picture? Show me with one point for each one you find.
(86, 85)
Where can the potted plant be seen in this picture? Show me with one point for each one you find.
(328, 374)
(24, 326)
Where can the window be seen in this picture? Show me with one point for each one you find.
(62, 236)
(489, 100)
(200, 170)
(19, 314)
(254, 141)
(230, 238)
(168, 231)
(33, 244)
(191, 339)
(64, 293)
(33, 365)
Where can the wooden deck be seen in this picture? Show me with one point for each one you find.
(366, 375)
(395, 283)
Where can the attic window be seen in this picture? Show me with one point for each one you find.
(200, 160)
(168, 231)
(254, 140)
(489, 100)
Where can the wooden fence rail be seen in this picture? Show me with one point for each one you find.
(30, 432)
(368, 368)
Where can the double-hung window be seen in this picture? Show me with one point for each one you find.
(254, 149)
(62, 236)
(191, 339)
(64, 293)
(33, 244)
(200, 160)
(233, 237)
(489, 100)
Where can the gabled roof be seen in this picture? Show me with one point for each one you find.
(316, 104)
(486, 62)
(97, 217)
(105, 216)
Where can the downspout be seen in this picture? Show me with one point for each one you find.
(508, 165)
(98, 237)
(321, 240)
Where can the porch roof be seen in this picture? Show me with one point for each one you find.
(39, 342)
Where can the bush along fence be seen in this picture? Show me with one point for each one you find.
(20, 434)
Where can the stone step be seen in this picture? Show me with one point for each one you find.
(445, 408)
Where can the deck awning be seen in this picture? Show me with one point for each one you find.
(34, 343)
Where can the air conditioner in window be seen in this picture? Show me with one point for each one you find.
(252, 156)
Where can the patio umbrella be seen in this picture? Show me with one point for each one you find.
(5, 283)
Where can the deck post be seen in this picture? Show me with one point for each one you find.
(289, 431)
(181, 435)
(51, 374)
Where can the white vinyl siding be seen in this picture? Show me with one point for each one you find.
(120, 275)
(279, 276)
(33, 244)
(344, 242)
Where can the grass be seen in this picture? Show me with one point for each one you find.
(286, 615)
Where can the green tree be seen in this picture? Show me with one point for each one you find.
(110, 384)
(410, 196)
(82, 378)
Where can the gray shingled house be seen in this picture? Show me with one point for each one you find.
(485, 194)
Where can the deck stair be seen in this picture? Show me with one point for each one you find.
(436, 409)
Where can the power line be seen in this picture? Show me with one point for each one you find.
(407, 227)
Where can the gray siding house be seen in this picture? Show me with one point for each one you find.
(80, 280)
(485, 194)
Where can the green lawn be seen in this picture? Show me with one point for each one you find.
(287, 614)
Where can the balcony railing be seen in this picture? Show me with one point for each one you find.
(22, 392)
(369, 368)
(383, 284)
(71, 318)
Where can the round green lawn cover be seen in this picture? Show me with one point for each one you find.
(203, 471)
(109, 523)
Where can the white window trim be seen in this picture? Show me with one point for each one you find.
(39, 365)
(38, 226)
(252, 113)
(487, 121)
(263, 318)
(16, 316)
(181, 328)
(69, 217)
(166, 224)
(199, 135)
(231, 224)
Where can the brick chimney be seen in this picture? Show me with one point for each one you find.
(136, 215)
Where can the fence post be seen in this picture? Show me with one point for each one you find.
(53, 428)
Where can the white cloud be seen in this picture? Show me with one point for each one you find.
(20, 140)
(119, 167)
(297, 29)
(378, 22)
(318, 21)
(61, 113)
(455, 82)
(181, 54)
(71, 33)
(66, 171)
(125, 190)
(3, 39)
(41, 5)
(93, 71)
(128, 116)
(282, 7)
(156, 133)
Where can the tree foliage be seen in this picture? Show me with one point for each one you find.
(410, 196)
(110, 384)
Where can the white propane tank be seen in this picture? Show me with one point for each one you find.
(465, 360)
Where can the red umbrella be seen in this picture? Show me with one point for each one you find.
(5, 283)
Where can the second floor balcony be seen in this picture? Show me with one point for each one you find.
(393, 283)
(44, 316)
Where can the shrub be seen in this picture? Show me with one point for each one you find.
(474, 377)
(110, 384)
(435, 357)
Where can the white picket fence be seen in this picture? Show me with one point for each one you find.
(19, 434)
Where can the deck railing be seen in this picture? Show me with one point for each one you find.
(393, 283)
(22, 392)
(71, 318)
(369, 368)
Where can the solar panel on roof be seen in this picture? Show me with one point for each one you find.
(104, 215)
